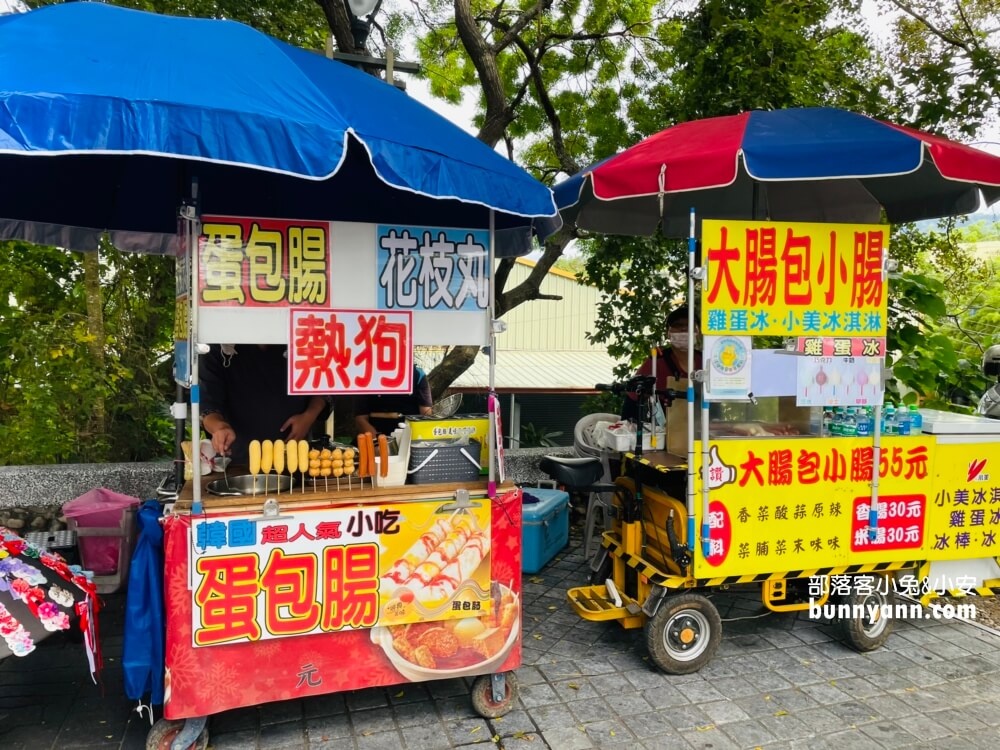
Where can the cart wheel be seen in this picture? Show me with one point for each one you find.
(684, 634)
(871, 629)
(482, 696)
(162, 734)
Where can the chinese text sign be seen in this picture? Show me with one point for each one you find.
(793, 279)
(779, 505)
(421, 268)
(263, 263)
(350, 351)
(337, 569)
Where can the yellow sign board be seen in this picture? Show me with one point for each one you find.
(793, 279)
(782, 505)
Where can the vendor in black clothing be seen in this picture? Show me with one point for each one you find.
(244, 397)
(382, 413)
(671, 361)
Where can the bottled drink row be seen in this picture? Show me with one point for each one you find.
(859, 421)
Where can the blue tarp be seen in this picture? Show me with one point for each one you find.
(145, 621)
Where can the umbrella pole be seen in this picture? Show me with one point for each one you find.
(690, 391)
(492, 403)
(179, 426)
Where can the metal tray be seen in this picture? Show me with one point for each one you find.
(248, 484)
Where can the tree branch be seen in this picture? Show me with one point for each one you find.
(944, 36)
(497, 115)
(339, 22)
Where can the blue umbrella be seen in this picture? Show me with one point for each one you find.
(106, 115)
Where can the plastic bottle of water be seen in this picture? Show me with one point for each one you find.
(903, 421)
(850, 427)
(890, 420)
(826, 424)
(916, 420)
(837, 424)
(863, 421)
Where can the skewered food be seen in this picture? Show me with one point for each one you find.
(292, 449)
(254, 449)
(279, 456)
(266, 456)
(383, 456)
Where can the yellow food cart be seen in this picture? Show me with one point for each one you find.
(787, 474)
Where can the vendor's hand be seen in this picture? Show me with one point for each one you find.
(222, 440)
(298, 426)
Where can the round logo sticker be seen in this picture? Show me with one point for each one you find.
(729, 356)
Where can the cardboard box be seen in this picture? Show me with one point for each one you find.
(436, 428)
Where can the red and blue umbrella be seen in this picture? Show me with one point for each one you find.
(813, 164)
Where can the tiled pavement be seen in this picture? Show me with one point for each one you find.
(778, 681)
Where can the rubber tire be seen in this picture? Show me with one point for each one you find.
(603, 573)
(162, 733)
(702, 612)
(482, 696)
(855, 633)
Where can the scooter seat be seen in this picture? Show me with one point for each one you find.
(573, 472)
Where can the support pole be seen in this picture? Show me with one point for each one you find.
(692, 246)
(492, 339)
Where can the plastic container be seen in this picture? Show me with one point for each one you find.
(453, 460)
(104, 522)
(544, 527)
(916, 420)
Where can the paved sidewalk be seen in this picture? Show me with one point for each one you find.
(778, 681)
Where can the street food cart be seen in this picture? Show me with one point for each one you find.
(396, 216)
(758, 492)
(788, 474)
(315, 580)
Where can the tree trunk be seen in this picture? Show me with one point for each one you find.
(95, 327)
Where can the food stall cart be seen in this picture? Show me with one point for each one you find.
(761, 495)
(787, 475)
(348, 578)
(239, 129)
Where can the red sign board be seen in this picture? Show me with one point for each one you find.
(350, 351)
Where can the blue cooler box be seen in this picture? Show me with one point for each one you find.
(544, 527)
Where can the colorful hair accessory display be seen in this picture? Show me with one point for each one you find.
(51, 617)
(39, 592)
(18, 639)
(14, 567)
(60, 596)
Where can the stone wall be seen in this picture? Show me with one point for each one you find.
(31, 496)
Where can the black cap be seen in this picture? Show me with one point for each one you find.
(678, 314)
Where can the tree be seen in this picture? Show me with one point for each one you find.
(723, 57)
(59, 402)
(947, 55)
(552, 80)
